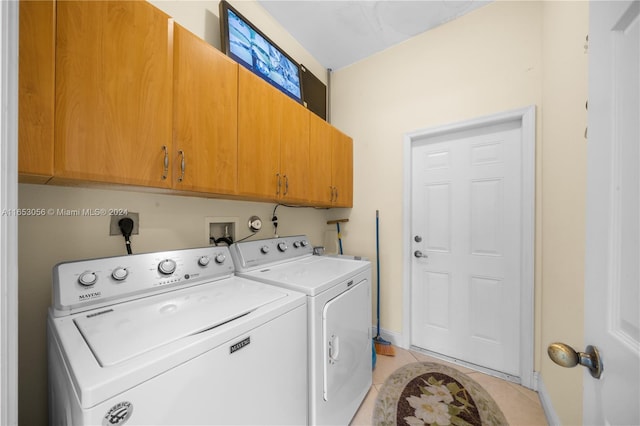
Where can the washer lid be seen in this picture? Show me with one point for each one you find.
(310, 275)
(124, 331)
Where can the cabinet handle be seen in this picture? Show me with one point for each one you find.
(286, 185)
(165, 170)
(331, 199)
(278, 184)
(336, 188)
(182, 165)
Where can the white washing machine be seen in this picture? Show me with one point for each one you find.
(339, 299)
(174, 338)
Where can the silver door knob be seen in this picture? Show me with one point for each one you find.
(419, 254)
(565, 356)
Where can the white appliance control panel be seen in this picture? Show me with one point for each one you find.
(87, 284)
(252, 254)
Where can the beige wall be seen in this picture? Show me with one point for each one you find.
(564, 83)
(201, 18)
(506, 55)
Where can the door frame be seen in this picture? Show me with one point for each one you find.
(527, 118)
(9, 23)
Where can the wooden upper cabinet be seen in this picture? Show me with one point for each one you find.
(205, 107)
(331, 154)
(36, 90)
(294, 152)
(114, 72)
(259, 124)
(320, 183)
(342, 168)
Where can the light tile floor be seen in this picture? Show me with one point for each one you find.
(521, 406)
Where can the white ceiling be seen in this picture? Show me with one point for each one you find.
(339, 33)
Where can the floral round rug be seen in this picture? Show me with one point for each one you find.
(426, 393)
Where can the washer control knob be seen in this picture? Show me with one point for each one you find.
(167, 267)
(204, 260)
(119, 274)
(282, 246)
(220, 258)
(297, 244)
(87, 278)
(304, 243)
(264, 249)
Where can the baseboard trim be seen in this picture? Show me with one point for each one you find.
(547, 406)
(395, 338)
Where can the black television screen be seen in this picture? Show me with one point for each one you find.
(243, 42)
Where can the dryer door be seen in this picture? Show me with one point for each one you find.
(346, 327)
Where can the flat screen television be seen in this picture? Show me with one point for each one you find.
(247, 45)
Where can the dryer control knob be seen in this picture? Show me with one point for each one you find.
(119, 274)
(282, 246)
(167, 267)
(264, 249)
(297, 244)
(203, 261)
(304, 243)
(220, 258)
(88, 278)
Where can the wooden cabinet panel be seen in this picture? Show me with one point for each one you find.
(320, 186)
(273, 143)
(331, 155)
(294, 152)
(114, 71)
(342, 168)
(36, 90)
(259, 120)
(205, 116)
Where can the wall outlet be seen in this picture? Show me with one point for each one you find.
(114, 229)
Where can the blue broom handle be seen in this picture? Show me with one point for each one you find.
(378, 271)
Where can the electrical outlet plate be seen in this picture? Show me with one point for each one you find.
(114, 229)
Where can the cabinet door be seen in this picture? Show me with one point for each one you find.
(206, 116)
(342, 169)
(320, 186)
(294, 152)
(114, 71)
(36, 90)
(259, 115)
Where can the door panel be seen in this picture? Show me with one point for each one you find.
(36, 90)
(612, 298)
(466, 210)
(206, 116)
(294, 151)
(342, 168)
(347, 342)
(259, 127)
(320, 158)
(114, 79)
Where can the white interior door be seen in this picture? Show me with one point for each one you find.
(612, 296)
(466, 232)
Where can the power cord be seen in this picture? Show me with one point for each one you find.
(126, 227)
(274, 218)
(226, 238)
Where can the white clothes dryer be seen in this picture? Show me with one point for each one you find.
(339, 307)
(174, 338)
